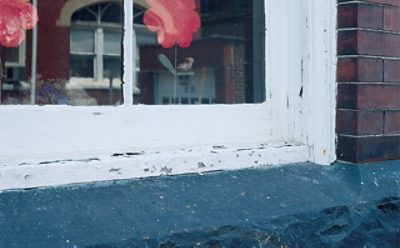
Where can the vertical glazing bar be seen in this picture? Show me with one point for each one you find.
(129, 56)
(34, 59)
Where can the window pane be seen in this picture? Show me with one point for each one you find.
(112, 67)
(221, 62)
(112, 13)
(82, 41)
(82, 66)
(112, 43)
(77, 54)
(12, 55)
(84, 15)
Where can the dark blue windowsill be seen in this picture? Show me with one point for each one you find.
(300, 205)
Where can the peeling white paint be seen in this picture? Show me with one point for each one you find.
(36, 173)
(54, 132)
(300, 54)
(321, 91)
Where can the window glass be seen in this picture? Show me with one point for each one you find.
(111, 13)
(187, 52)
(86, 14)
(76, 50)
(12, 55)
(223, 61)
(82, 66)
(112, 43)
(82, 41)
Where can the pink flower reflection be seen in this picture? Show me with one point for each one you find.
(16, 16)
(175, 21)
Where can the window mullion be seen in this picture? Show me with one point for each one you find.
(129, 53)
(99, 54)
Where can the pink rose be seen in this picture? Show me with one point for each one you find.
(16, 16)
(175, 21)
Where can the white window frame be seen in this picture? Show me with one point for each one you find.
(295, 124)
(97, 81)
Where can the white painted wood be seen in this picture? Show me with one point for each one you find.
(129, 62)
(301, 66)
(321, 90)
(27, 174)
(286, 24)
(99, 49)
(299, 53)
(59, 132)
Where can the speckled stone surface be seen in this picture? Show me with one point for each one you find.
(300, 205)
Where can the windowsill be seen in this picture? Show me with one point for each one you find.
(90, 83)
(32, 173)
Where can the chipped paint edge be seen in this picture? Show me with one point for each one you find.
(34, 174)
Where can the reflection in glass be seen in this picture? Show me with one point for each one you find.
(224, 63)
(79, 56)
(82, 41)
(74, 59)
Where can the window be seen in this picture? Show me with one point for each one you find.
(95, 48)
(13, 72)
(15, 56)
(233, 31)
(221, 63)
(276, 56)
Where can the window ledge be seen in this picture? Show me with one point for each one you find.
(25, 174)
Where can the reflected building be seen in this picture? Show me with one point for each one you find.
(77, 57)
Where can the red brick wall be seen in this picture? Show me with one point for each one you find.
(368, 75)
(53, 43)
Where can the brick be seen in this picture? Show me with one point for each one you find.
(392, 71)
(360, 69)
(362, 42)
(368, 115)
(360, 15)
(346, 122)
(347, 70)
(386, 2)
(346, 149)
(370, 70)
(355, 122)
(392, 122)
(392, 45)
(371, 149)
(368, 149)
(347, 42)
(347, 16)
(385, 97)
(347, 96)
(391, 19)
(383, 2)
(370, 43)
(370, 16)
(368, 96)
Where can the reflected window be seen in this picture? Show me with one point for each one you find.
(223, 64)
(70, 58)
(219, 56)
(95, 48)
